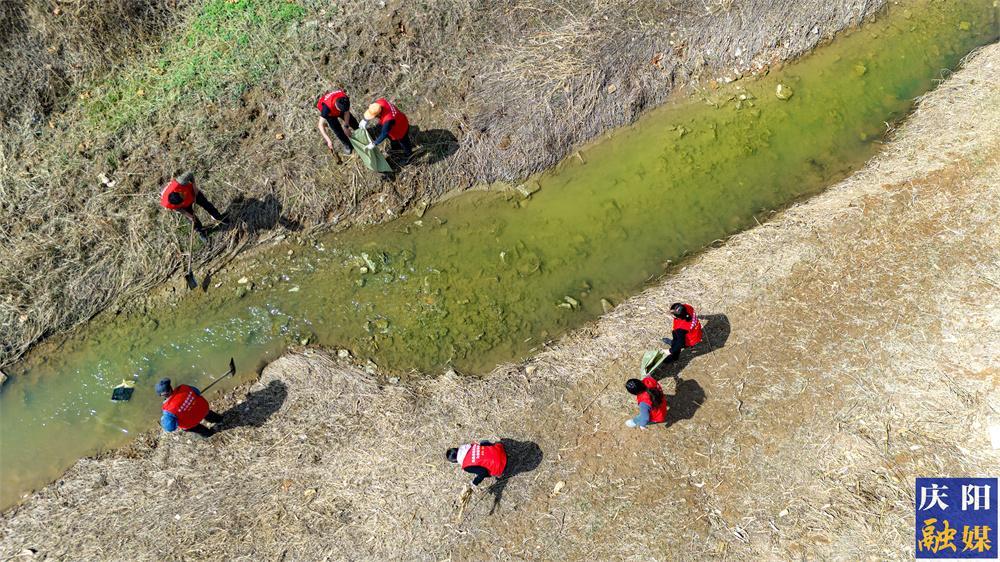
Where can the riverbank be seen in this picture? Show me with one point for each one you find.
(84, 162)
(852, 348)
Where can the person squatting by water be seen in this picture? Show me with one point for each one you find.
(686, 330)
(484, 459)
(335, 111)
(395, 126)
(652, 403)
(184, 407)
(181, 194)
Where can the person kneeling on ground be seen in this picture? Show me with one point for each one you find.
(652, 404)
(395, 126)
(181, 194)
(483, 459)
(335, 111)
(686, 330)
(185, 408)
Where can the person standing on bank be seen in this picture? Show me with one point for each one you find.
(483, 459)
(686, 330)
(335, 112)
(181, 194)
(185, 408)
(394, 126)
(652, 403)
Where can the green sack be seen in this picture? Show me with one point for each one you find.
(371, 157)
(652, 359)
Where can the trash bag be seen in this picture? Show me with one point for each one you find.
(123, 392)
(372, 158)
(652, 359)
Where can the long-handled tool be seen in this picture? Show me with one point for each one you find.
(229, 373)
(191, 281)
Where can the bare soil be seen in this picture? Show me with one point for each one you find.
(496, 91)
(852, 346)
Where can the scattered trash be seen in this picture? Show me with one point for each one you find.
(343, 353)
(558, 488)
(243, 280)
(612, 89)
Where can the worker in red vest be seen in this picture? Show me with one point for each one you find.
(181, 194)
(185, 408)
(652, 404)
(483, 459)
(395, 125)
(686, 330)
(335, 111)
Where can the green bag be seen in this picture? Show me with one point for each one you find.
(372, 158)
(652, 359)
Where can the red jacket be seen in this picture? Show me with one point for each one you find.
(330, 101)
(693, 327)
(491, 457)
(389, 111)
(657, 414)
(187, 191)
(189, 407)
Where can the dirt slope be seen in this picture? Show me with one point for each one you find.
(853, 348)
(495, 90)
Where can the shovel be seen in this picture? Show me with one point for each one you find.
(189, 277)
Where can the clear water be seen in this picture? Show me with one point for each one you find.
(483, 278)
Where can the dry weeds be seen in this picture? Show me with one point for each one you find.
(858, 352)
(72, 246)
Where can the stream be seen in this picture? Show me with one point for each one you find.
(488, 276)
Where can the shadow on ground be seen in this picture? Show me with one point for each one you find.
(522, 456)
(716, 329)
(433, 145)
(688, 396)
(258, 407)
(255, 215)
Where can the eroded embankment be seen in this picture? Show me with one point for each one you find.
(74, 244)
(852, 348)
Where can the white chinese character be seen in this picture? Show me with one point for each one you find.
(936, 495)
(976, 496)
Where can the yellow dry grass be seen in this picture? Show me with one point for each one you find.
(853, 349)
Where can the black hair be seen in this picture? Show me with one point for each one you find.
(635, 386)
(185, 178)
(451, 454)
(678, 309)
(175, 198)
(343, 104)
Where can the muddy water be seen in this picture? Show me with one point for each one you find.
(488, 276)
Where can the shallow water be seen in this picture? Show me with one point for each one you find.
(484, 278)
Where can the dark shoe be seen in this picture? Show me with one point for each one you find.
(348, 150)
(224, 219)
(667, 341)
(203, 236)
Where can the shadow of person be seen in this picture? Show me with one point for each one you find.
(433, 145)
(688, 396)
(255, 215)
(258, 407)
(522, 456)
(716, 330)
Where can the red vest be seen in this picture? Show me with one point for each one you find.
(657, 414)
(187, 191)
(491, 457)
(389, 111)
(187, 405)
(693, 327)
(330, 101)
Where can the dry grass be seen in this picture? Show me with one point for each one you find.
(73, 246)
(880, 295)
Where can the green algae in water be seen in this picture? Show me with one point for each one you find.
(487, 277)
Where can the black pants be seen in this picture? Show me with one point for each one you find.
(335, 124)
(403, 144)
(204, 203)
(676, 344)
(210, 417)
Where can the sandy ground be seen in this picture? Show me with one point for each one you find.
(853, 347)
